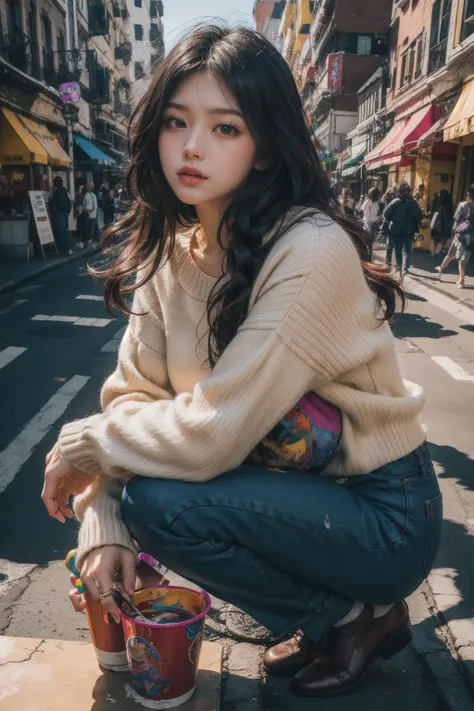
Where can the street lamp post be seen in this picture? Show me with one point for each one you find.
(71, 114)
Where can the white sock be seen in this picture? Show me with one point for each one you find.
(352, 615)
(381, 610)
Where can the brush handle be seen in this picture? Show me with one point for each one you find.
(70, 563)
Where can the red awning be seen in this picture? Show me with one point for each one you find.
(402, 138)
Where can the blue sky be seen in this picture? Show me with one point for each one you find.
(180, 15)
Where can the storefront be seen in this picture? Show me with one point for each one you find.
(91, 163)
(459, 129)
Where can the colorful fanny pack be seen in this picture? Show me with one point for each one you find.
(305, 439)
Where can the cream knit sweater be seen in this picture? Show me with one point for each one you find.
(311, 326)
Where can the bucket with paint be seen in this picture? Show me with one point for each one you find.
(163, 653)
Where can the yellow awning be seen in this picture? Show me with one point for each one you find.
(461, 121)
(17, 145)
(56, 153)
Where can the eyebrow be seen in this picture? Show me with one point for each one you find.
(182, 107)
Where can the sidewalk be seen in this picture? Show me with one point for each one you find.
(15, 273)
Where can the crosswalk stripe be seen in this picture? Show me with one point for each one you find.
(454, 369)
(9, 354)
(74, 320)
(89, 297)
(20, 449)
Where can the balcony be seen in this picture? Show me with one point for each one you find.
(70, 66)
(437, 57)
(123, 108)
(16, 48)
(124, 52)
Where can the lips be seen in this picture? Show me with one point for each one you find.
(191, 176)
(192, 172)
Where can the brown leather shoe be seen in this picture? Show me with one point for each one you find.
(350, 651)
(288, 657)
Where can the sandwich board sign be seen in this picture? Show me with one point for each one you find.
(43, 224)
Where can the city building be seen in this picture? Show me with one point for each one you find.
(67, 68)
(348, 41)
(271, 25)
(262, 9)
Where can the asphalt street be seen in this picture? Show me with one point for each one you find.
(51, 370)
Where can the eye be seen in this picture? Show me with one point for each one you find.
(174, 122)
(227, 129)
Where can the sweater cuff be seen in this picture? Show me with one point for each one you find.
(102, 525)
(73, 447)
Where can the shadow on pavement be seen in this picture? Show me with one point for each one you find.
(456, 465)
(414, 297)
(416, 326)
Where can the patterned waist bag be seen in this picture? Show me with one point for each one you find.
(305, 439)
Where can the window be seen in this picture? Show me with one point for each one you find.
(154, 32)
(420, 46)
(468, 19)
(393, 40)
(139, 33)
(139, 73)
(364, 44)
(411, 61)
(138, 3)
(404, 68)
(440, 16)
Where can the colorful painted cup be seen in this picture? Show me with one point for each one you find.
(163, 654)
(108, 639)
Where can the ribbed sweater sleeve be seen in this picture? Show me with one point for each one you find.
(306, 325)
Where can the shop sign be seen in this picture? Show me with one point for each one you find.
(70, 92)
(13, 160)
(40, 213)
(335, 64)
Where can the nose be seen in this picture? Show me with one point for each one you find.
(193, 147)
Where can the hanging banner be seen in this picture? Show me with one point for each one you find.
(40, 213)
(335, 63)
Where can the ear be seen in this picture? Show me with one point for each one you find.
(262, 164)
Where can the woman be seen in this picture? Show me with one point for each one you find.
(82, 217)
(257, 435)
(461, 248)
(441, 215)
(348, 203)
(371, 212)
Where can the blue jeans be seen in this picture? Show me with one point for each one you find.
(294, 549)
(400, 244)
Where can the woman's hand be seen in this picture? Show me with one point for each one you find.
(61, 481)
(98, 572)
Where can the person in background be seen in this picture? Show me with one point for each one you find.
(109, 207)
(463, 227)
(387, 198)
(371, 212)
(419, 196)
(90, 206)
(348, 203)
(441, 213)
(101, 197)
(60, 210)
(404, 217)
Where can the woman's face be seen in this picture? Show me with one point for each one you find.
(206, 149)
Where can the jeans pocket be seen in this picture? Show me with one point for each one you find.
(434, 523)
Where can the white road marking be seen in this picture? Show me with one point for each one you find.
(90, 297)
(455, 308)
(20, 449)
(454, 370)
(75, 320)
(113, 345)
(12, 306)
(9, 354)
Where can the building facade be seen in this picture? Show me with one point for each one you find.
(66, 73)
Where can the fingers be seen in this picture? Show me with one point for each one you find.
(49, 497)
(77, 600)
(128, 572)
(110, 606)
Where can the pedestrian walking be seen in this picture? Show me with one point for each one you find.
(441, 214)
(109, 207)
(90, 207)
(348, 203)
(101, 199)
(257, 435)
(404, 217)
(61, 206)
(462, 245)
(371, 212)
(82, 217)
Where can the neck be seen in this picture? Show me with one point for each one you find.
(209, 217)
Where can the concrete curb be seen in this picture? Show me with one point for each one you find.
(430, 285)
(9, 286)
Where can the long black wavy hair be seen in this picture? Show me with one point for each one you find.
(265, 90)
